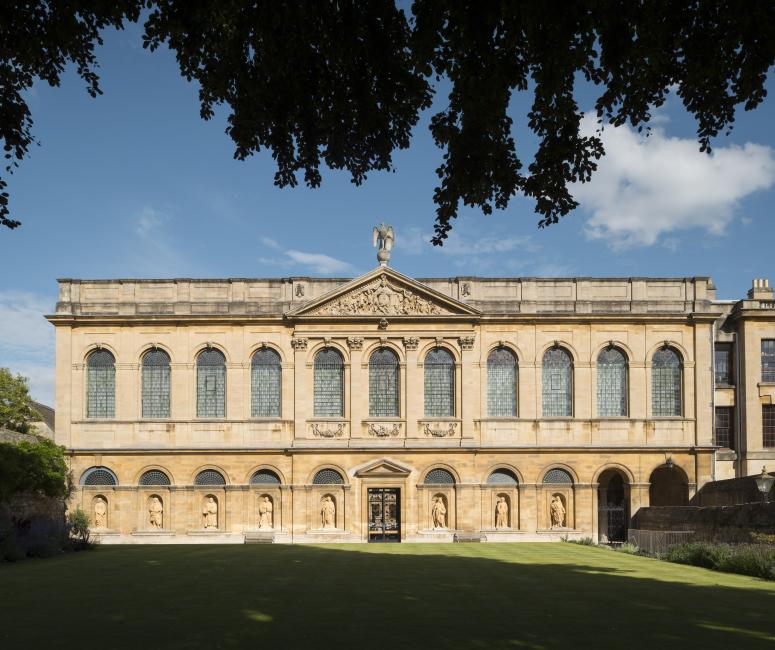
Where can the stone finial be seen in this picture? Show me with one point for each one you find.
(383, 240)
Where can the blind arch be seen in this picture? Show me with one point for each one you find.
(502, 383)
(611, 383)
(156, 384)
(211, 384)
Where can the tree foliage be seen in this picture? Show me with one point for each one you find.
(16, 406)
(342, 83)
(38, 467)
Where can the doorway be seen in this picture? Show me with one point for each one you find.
(384, 514)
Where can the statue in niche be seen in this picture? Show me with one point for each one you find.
(265, 516)
(210, 512)
(156, 512)
(328, 512)
(100, 513)
(502, 513)
(439, 513)
(557, 511)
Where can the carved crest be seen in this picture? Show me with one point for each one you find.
(380, 297)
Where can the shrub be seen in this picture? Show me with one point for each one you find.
(763, 538)
(78, 522)
(701, 554)
(584, 541)
(37, 467)
(629, 549)
(756, 560)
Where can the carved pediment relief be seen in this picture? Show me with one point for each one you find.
(383, 468)
(384, 293)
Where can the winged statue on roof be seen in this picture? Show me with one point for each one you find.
(383, 240)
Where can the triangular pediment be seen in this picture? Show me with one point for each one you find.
(384, 293)
(382, 468)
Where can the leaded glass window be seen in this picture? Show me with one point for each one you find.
(329, 384)
(383, 384)
(768, 360)
(666, 383)
(724, 434)
(723, 364)
(209, 477)
(768, 425)
(211, 384)
(98, 476)
(265, 477)
(156, 384)
(265, 378)
(557, 383)
(501, 384)
(328, 477)
(154, 477)
(100, 385)
(439, 476)
(557, 476)
(611, 383)
(502, 476)
(439, 384)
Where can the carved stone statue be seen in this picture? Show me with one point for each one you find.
(502, 513)
(383, 239)
(439, 513)
(210, 512)
(156, 513)
(328, 512)
(100, 513)
(265, 516)
(557, 512)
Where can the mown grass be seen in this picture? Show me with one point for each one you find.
(378, 596)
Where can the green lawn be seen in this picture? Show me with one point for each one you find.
(377, 596)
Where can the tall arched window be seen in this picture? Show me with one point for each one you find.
(156, 384)
(265, 378)
(383, 384)
(557, 383)
(611, 383)
(666, 383)
(439, 384)
(100, 385)
(329, 384)
(211, 384)
(501, 384)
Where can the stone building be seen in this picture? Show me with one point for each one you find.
(388, 408)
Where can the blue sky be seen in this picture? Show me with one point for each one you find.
(135, 184)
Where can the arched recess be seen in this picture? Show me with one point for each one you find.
(613, 499)
(669, 486)
(254, 476)
(209, 476)
(328, 475)
(98, 475)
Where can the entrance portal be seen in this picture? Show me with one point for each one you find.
(612, 515)
(384, 514)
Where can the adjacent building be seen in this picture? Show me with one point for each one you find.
(391, 408)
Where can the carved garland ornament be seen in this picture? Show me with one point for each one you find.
(299, 344)
(467, 342)
(440, 432)
(382, 430)
(411, 342)
(379, 298)
(355, 342)
(338, 432)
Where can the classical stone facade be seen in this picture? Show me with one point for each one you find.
(388, 408)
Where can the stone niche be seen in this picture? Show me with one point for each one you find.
(429, 496)
(564, 494)
(99, 512)
(500, 518)
(154, 509)
(326, 508)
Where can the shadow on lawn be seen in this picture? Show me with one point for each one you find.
(321, 597)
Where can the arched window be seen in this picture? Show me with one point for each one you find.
(98, 476)
(439, 384)
(558, 476)
(666, 383)
(383, 384)
(209, 477)
(210, 384)
(329, 384)
(154, 477)
(265, 376)
(265, 477)
(501, 384)
(611, 383)
(328, 477)
(502, 476)
(557, 383)
(439, 476)
(100, 385)
(156, 384)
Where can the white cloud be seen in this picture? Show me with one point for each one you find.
(148, 221)
(647, 187)
(27, 341)
(270, 243)
(319, 263)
